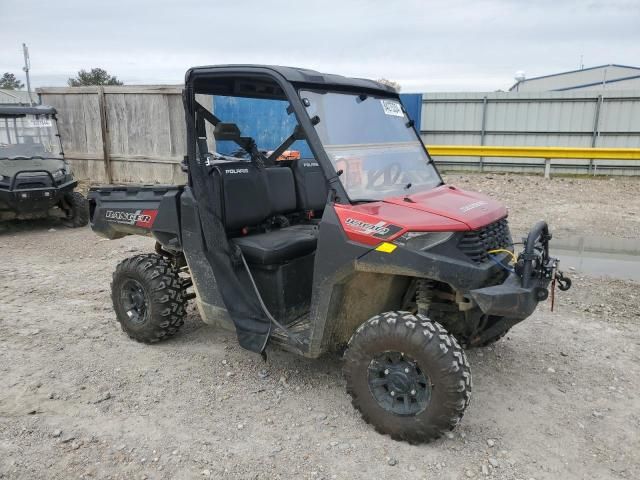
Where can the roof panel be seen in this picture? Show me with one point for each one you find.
(293, 75)
(13, 109)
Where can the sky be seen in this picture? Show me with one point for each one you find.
(425, 46)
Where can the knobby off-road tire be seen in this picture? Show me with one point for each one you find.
(148, 298)
(437, 381)
(78, 213)
(491, 341)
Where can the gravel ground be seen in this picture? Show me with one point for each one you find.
(557, 398)
(599, 206)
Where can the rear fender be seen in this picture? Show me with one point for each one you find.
(209, 300)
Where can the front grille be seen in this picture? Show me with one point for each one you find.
(476, 243)
(25, 181)
(28, 185)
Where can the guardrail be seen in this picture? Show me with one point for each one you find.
(547, 153)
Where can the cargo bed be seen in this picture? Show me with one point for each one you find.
(151, 210)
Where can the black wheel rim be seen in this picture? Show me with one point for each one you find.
(398, 384)
(134, 301)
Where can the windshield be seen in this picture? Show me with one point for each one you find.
(370, 140)
(29, 136)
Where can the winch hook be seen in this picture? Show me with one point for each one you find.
(564, 283)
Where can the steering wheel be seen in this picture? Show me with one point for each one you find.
(385, 177)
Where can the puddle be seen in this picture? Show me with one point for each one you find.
(601, 256)
(589, 243)
(625, 267)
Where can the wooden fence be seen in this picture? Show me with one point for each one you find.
(137, 133)
(122, 134)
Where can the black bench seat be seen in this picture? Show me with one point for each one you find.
(251, 196)
(277, 246)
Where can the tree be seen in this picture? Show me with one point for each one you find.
(97, 76)
(10, 82)
(390, 83)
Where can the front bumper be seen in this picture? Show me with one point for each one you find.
(486, 284)
(33, 200)
(518, 296)
(510, 299)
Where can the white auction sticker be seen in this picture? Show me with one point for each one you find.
(40, 123)
(391, 107)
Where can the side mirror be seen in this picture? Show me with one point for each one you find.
(226, 131)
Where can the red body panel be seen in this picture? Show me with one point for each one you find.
(146, 218)
(473, 209)
(443, 209)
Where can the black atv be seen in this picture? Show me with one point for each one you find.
(358, 244)
(35, 179)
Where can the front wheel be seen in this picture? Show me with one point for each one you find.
(407, 376)
(489, 341)
(76, 210)
(473, 341)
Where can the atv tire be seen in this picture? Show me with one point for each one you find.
(148, 298)
(78, 211)
(407, 376)
(491, 341)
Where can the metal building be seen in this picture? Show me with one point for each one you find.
(574, 118)
(600, 78)
(15, 96)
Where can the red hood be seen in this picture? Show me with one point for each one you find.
(443, 209)
(473, 209)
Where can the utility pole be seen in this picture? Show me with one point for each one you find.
(27, 66)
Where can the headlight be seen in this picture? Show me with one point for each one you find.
(58, 174)
(423, 240)
(4, 178)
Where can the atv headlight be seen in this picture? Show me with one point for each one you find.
(423, 240)
(58, 174)
(4, 178)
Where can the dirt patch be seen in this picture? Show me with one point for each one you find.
(557, 398)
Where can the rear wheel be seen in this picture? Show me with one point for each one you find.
(148, 298)
(407, 376)
(77, 210)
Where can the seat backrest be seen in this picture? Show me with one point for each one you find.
(250, 195)
(311, 186)
(244, 195)
(282, 190)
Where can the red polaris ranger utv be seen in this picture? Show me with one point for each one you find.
(358, 244)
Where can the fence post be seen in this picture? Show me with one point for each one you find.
(547, 168)
(102, 107)
(596, 128)
(483, 128)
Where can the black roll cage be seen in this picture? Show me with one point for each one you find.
(255, 81)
